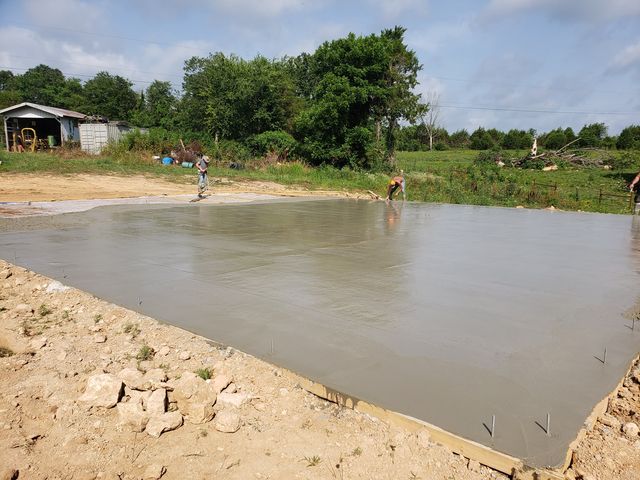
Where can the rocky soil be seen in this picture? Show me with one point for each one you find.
(89, 390)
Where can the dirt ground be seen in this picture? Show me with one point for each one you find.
(51, 188)
(249, 420)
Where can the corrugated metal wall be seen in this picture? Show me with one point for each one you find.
(94, 136)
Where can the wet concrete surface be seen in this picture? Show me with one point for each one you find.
(450, 314)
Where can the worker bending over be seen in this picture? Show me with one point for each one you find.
(635, 187)
(394, 184)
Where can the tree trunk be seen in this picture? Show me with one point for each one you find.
(430, 142)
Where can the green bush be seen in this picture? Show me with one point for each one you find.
(228, 151)
(489, 156)
(441, 146)
(277, 141)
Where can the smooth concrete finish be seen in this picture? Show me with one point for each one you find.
(12, 209)
(450, 314)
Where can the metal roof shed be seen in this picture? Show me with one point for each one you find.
(46, 121)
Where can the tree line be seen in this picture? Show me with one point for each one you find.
(341, 105)
(595, 135)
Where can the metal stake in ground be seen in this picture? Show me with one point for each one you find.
(493, 425)
(548, 429)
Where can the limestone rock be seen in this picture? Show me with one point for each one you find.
(23, 308)
(99, 338)
(5, 273)
(630, 430)
(163, 423)
(157, 402)
(220, 382)
(155, 376)
(227, 422)
(103, 390)
(56, 286)
(184, 356)
(610, 421)
(132, 415)
(195, 397)
(424, 438)
(132, 378)
(154, 472)
(38, 343)
(164, 351)
(137, 395)
(233, 399)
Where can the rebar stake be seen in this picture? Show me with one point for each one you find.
(604, 359)
(493, 425)
(548, 429)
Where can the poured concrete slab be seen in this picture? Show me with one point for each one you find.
(450, 314)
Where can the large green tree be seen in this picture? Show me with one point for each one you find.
(157, 106)
(232, 98)
(110, 96)
(629, 138)
(359, 83)
(48, 86)
(592, 135)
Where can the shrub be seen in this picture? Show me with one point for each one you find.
(227, 151)
(275, 141)
(145, 353)
(489, 157)
(441, 146)
(204, 373)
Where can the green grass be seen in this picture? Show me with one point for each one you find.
(204, 373)
(452, 177)
(145, 353)
(438, 176)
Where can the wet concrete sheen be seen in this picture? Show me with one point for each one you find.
(450, 314)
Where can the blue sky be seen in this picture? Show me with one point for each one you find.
(484, 59)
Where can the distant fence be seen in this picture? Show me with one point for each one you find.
(457, 181)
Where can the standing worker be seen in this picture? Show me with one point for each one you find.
(634, 187)
(203, 182)
(394, 184)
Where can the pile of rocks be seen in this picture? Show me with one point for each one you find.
(149, 402)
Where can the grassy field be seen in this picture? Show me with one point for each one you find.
(448, 177)
(452, 177)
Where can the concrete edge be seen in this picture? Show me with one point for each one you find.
(485, 455)
(598, 410)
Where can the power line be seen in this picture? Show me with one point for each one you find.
(521, 85)
(526, 110)
(106, 67)
(106, 35)
(67, 74)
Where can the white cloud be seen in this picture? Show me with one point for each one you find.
(396, 8)
(590, 10)
(627, 57)
(270, 8)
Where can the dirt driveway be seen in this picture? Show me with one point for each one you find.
(43, 188)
